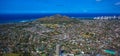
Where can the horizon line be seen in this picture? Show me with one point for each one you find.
(59, 13)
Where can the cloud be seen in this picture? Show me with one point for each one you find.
(98, 0)
(117, 3)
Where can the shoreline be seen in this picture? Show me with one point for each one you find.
(22, 20)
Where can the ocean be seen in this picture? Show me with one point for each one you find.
(14, 18)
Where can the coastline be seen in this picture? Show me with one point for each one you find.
(16, 18)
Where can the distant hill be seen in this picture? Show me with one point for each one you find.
(56, 19)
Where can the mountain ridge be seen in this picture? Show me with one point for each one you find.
(57, 18)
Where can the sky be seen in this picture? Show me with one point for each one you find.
(59, 6)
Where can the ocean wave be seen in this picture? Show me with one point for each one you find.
(24, 20)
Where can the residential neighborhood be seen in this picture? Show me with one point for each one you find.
(61, 36)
